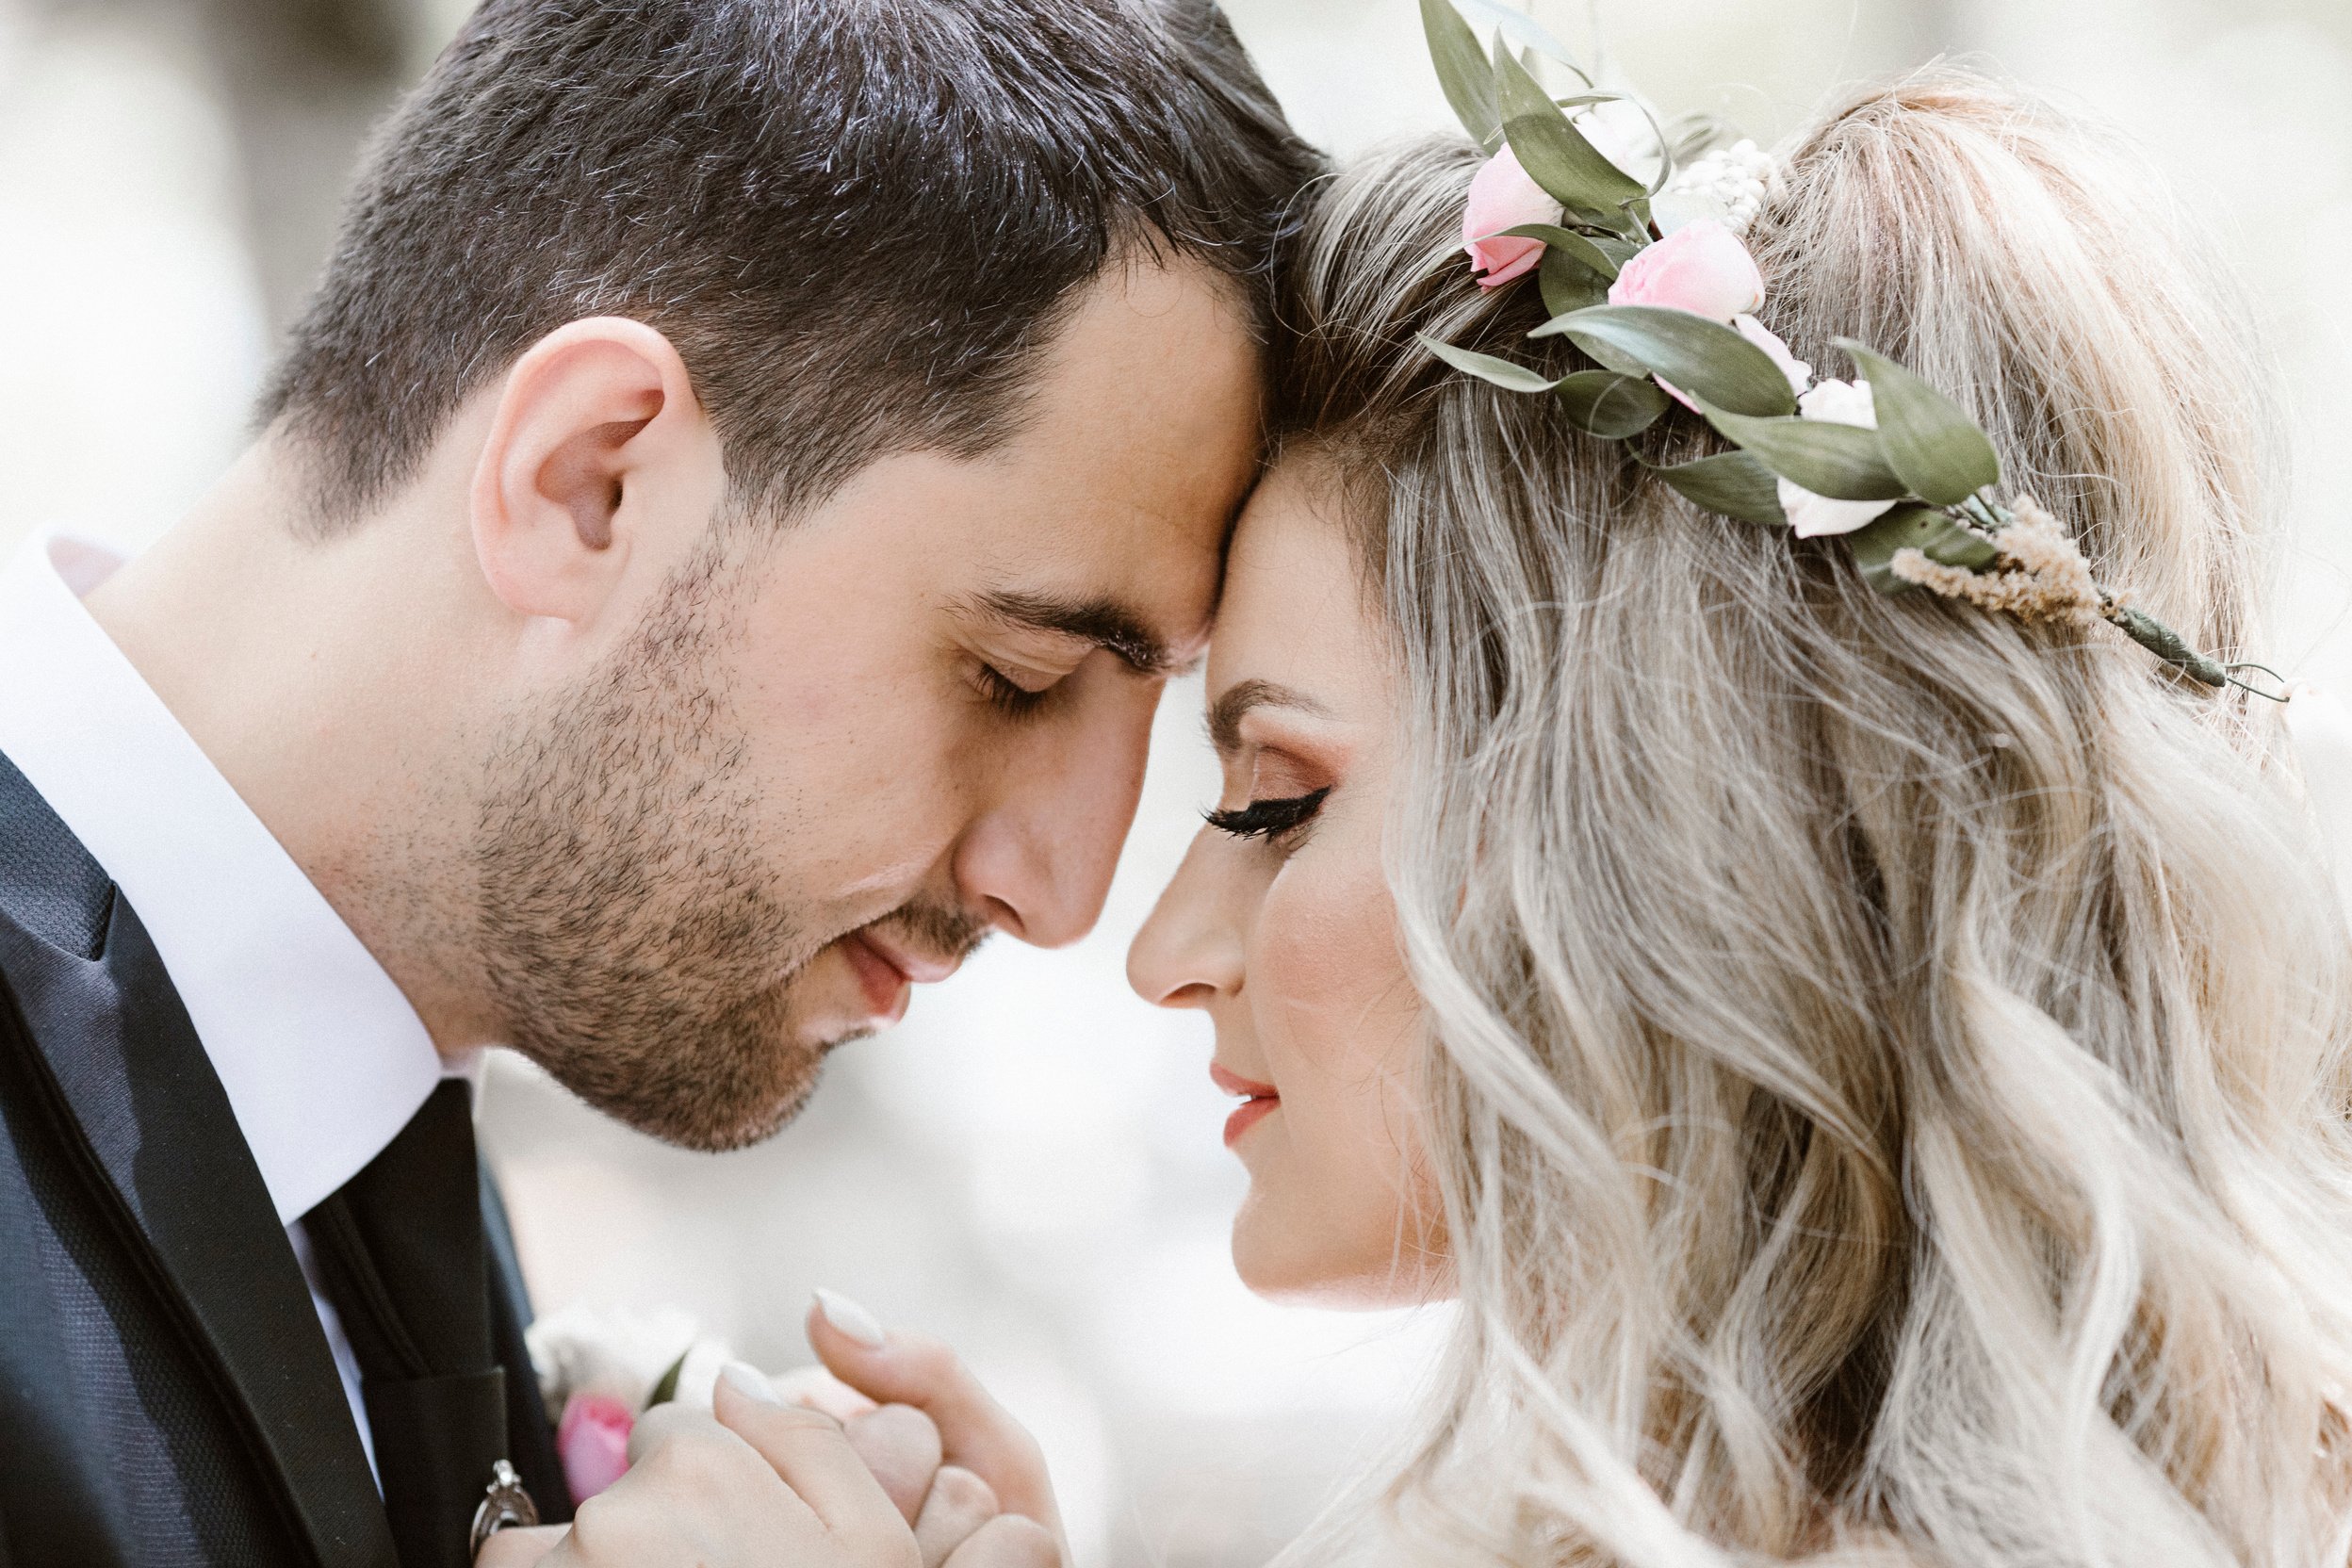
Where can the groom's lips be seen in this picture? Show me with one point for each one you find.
(887, 971)
(884, 983)
(1259, 1100)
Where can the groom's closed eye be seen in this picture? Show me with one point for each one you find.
(1100, 622)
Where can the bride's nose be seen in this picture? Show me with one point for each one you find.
(1190, 951)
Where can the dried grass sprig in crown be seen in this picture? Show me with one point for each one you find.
(1651, 279)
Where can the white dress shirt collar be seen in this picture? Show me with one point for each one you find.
(323, 1059)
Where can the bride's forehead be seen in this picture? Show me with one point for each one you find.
(1294, 615)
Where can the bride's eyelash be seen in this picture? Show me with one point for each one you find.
(1268, 819)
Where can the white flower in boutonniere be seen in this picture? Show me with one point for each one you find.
(600, 1369)
(1835, 402)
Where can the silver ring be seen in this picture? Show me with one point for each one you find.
(503, 1503)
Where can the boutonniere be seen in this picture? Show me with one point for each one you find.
(601, 1369)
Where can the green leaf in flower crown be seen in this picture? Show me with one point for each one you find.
(1571, 244)
(1525, 31)
(1930, 440)
(1502, 372)
(1601, 403)
(1570, 285)
(1734, 484)
(1914, 527)
(1703, 357)
(1618, 251)
(1462, 71)
(1844, 461)
(1553, 152)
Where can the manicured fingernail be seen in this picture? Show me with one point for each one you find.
(851, 1318)
(749, 1381)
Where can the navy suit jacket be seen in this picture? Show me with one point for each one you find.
(167, 1395)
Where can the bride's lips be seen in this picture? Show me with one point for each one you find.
(1258, 1101)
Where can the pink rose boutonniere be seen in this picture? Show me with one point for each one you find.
(592, 1439)
(600, 1370)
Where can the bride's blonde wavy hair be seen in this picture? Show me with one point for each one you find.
(1888, 1065)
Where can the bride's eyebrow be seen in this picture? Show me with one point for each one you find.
(1236, 701)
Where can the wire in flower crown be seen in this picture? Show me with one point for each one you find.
(1653, 281)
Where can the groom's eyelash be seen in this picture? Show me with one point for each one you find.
(1268, 819)
(1009, 697)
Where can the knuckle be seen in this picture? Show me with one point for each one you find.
(692, 1468)
(608, 1528)
(958, 1489)
(902, 1421)
(898, 1435)
(801, 1418)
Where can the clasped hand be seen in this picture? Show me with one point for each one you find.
(905, 1461)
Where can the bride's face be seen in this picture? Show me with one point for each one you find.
(1280, 925)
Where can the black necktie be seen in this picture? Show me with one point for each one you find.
(402, 1258)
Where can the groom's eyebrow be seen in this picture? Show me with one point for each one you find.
(1104, 622)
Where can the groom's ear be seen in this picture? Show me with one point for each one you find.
(598, 457)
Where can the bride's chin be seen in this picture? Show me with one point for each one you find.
(1279, 1264)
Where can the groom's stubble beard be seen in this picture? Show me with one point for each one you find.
(630, 932)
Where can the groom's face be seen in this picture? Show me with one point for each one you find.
(840, 752)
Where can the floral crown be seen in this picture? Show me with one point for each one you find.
(1652, 281)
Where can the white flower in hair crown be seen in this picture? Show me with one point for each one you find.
(1653, 281)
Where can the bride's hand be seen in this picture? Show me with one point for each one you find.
(976, 1432)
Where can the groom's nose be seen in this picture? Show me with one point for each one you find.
(1037, 858)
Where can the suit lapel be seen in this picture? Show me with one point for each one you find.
(136, 1090)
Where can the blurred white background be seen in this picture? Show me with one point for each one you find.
(1031, 1165)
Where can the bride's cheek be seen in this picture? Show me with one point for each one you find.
(1327, 948)
(1345, 1015)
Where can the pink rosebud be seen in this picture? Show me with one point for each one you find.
(1504, 196)
(1700, 267)
(592, 1439)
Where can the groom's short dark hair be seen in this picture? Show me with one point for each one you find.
(856, 219)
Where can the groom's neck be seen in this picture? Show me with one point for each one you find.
(320, 677)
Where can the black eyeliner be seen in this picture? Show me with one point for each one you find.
(1267, 819)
